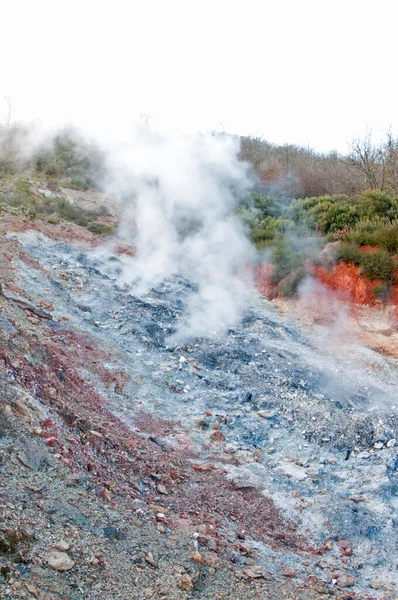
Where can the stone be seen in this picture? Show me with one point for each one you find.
(345, 581)
(161, 517)
(62, 545)
(203, 468)
(150, 560)
(32, 589)
(197, 557)
(161, 489)
(266, 414)
(241, 534)
(253, 572)
(363, 455)
(211, 544)
(186, 583)
(345, 547)
(289, 573)
(60, 561)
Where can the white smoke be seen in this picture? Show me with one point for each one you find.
(179, 195)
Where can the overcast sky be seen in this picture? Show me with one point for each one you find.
(308, 72)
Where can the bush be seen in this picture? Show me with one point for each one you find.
(285, 260)
(373, 202)
(289, 285)
(382, 291)
(331, 217)
(375, 265)
(379, 265)
(348, 252)
(373, 234)
(387, 238)
(69, 212)
(100, 228)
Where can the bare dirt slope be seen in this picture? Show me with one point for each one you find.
(240, 467)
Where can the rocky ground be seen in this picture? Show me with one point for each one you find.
(258, 465)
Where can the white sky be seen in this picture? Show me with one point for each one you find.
(309, 72)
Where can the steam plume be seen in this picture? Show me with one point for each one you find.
(179, 196)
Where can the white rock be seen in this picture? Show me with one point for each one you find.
(60, 561)
(292, 470)
(363, 455)
(62, 545)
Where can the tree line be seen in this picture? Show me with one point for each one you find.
(295, 171)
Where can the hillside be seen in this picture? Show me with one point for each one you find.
(251, 463)
(161, 471)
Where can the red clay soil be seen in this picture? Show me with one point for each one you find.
(347, 281)
(262, 278)
(369, 249)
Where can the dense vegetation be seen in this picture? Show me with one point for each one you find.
(294, 231)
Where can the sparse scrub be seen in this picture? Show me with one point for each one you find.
(285, 260)
(100, 228)
(382, 291)
(22, 199)
(289, 285)
(68, 157)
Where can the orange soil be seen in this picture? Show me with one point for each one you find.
(262, 278)
(347, 281)
(342, 301)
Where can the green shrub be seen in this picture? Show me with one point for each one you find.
(348, 252)
(286, 259)
(373, 202)
(69, 212)
(382, 291)
(387, 238)
(289, 285)
(384, 235)
(100, 228)
(331, 217)
(378, 265)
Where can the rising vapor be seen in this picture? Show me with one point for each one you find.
(179, 195)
